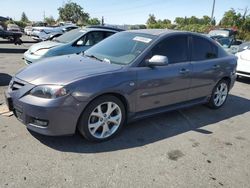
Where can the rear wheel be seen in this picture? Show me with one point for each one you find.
(219, 95)
(102, 119)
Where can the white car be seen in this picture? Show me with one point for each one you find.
(45, 33)
(28, 30)
(243, 67)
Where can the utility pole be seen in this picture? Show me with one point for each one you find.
(102, 21)
(43, 15)
(212, 15)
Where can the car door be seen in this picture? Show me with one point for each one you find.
(90, 39)
(165, 85)
(206, 67)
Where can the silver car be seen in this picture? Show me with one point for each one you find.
(128, 76)
(75, 41)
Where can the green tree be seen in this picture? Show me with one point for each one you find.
(73, 12)
(231, 18)
(24, 18)
(151, 20)
(179, 20)
(94, 21)
(50, 20)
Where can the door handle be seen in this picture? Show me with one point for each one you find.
(184, 71)
(215, 67)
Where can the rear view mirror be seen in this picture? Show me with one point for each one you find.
(158, 60)
(79, 43)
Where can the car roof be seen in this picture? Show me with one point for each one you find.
(156, 32)
(97, 29)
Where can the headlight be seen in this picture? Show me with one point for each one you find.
(41, 51)
(49, 91)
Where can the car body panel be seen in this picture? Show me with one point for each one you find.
(243, 66)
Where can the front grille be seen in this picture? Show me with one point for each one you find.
(16, 85)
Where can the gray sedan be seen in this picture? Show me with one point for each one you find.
(128, 76)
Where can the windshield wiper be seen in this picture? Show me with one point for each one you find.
(93, 57)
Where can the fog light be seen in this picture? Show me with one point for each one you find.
(39, 122)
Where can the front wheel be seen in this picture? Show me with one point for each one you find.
(219, 95)
(102, 119)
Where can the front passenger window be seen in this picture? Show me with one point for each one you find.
(175, 48)
(92, 38)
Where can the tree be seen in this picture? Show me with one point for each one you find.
(231, 18)
(151, 20)
(94, 21)
(73, 12)
(179, 20)
(24, 18)
(49, 20)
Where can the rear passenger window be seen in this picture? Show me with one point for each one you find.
(203, 49)
(175, 48)
(108, 34)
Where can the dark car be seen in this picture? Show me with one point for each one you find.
(13, 36)
(128, 76)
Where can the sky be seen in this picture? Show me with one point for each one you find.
(123, 12)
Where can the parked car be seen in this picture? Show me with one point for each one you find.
(28, 30)
(231, 45)
(128, 76)
(74, 41)
(227, 38)
(243, 66)
(65, 29)
(43, 33)
(244, 46)
(13, 28)
(14, 37)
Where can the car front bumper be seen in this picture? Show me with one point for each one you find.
(30, 58)
(53, 117)
(243, 68)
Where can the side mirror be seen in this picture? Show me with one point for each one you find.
(79, 43)
(157, 60)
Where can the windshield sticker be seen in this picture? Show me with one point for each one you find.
(142, 39)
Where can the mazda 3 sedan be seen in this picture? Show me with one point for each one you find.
(128, 76)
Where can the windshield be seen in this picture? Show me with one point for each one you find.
(70, 36)
(225, 42)
(223, 33)
(121, 48)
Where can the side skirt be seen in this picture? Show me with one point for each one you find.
(149, 113)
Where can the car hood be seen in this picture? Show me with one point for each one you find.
(64, 69)
(43, 45)
(244, 55)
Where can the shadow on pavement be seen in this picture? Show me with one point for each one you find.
(4, 79)
(11, 42)
(153, 129)
(244, 80)
(12, 50)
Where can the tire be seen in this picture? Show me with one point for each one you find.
(219, 94)
(102, 119)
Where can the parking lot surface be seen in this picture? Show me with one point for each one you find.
(195, 147)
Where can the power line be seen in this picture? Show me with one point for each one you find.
(128, 9)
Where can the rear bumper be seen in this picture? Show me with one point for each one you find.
(60, 114)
